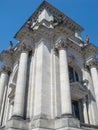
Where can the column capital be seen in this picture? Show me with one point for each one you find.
(92, 63)
(25, 48)
(61, 44)
(5, 69)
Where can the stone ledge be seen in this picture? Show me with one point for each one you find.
(55, 123)
(67, 122)
(43, 123)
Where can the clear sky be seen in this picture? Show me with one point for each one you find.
(13, 14)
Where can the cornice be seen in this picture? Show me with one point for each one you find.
(89, 49)
(74, 46)
(59, 18)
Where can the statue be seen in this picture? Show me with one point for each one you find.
(86, 39)
(10, 48)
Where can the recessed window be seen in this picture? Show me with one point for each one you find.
(75, 109)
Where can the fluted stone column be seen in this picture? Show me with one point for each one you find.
(66, 108)
(3, 82)
(85, 113)
(92, 105)
(21, 84)
(31, 87)
(92, 63)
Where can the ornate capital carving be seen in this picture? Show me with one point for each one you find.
(61, 44)
(5, 69)
(92, 63)
(26, 48)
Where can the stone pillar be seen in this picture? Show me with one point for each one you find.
(92, 63)
(85, 113)
(10, 111)
(42, 85)
(19, 100)
(92, 105)
(66, 108)
(31, 86)
(3, 82)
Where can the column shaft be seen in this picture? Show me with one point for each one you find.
(21, 86)
(85, 113)
(94, 74)
(3, 82)
(64, 82)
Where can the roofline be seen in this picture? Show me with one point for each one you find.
(51, 6)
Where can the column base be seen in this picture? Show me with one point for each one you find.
(55, 123)
(46, 124)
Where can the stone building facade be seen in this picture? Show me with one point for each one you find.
(49, 80)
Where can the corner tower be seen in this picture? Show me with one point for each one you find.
(49, 79)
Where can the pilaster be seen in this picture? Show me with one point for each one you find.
(5, 71)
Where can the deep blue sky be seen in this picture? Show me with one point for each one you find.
(13, 14)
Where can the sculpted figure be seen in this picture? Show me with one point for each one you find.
(86, 39)
(10, 48)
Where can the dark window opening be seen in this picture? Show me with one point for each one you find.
(75, 109)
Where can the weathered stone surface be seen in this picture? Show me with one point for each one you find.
(52, 82)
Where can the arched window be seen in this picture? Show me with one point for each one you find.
(73, 75)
